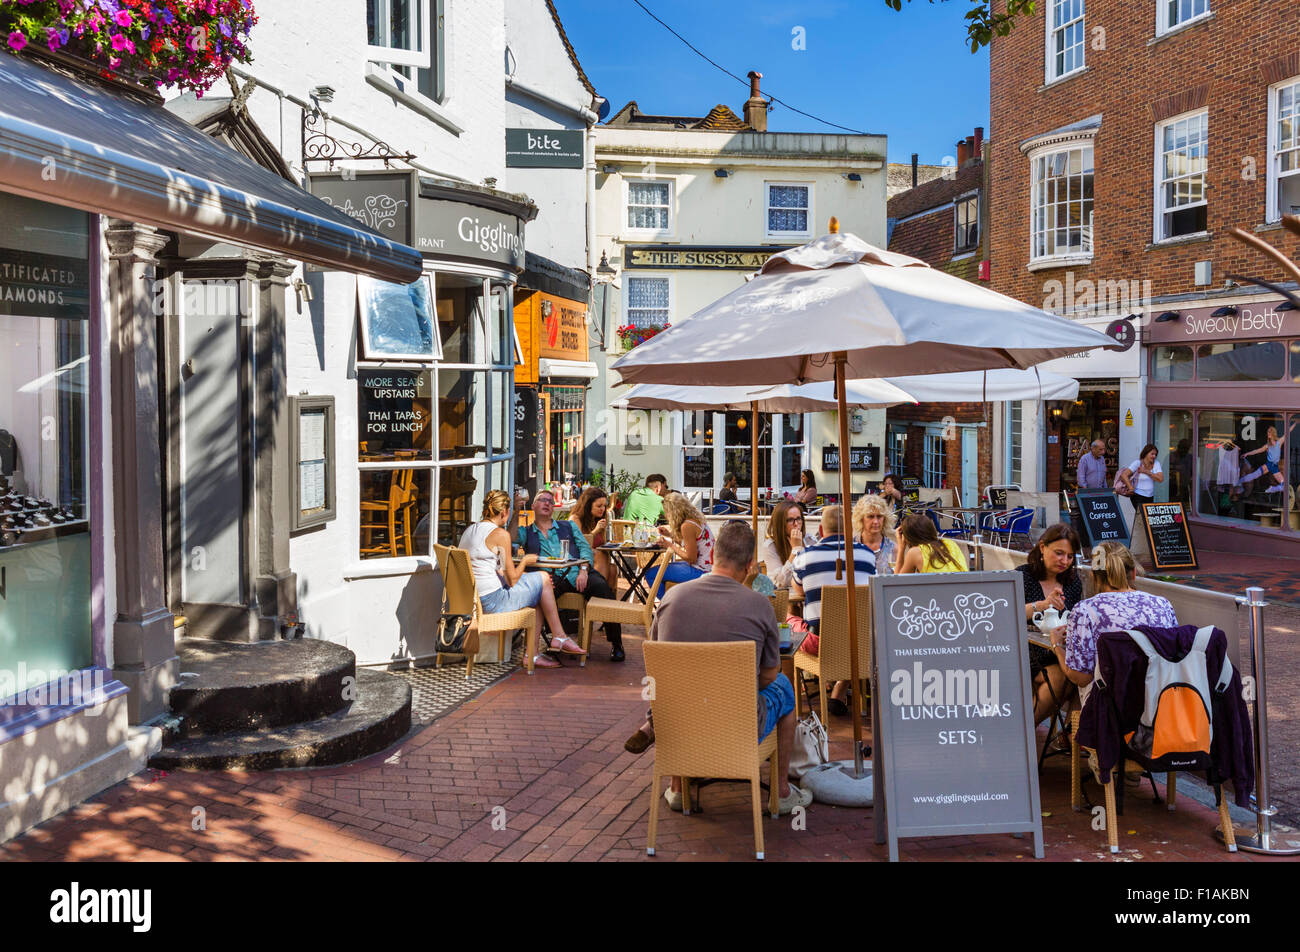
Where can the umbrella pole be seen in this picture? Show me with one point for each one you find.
(841, 393)
(753, 466)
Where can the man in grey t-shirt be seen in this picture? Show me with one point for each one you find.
(720, 607)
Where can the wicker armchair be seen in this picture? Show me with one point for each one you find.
(614, 610)
(831, 663)
(705, 707)
(780, 600)
(462, 599)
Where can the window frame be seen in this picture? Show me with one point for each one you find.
(768, 233)
(1273, 212)
(1049, 56)
(393, 56)
(934, 437)
(1158, 183)
(628, 229)
(960, 250)
(1163, 28)
(1087, 233)
(627, 296)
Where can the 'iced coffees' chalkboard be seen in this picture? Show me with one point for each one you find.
(1102, 519)
(953, 716)
(1170, 535)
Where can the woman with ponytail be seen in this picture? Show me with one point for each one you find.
(1116, 606)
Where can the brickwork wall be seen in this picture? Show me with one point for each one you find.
(1226, 62)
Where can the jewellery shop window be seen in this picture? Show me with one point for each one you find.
(45, 552)
(395, 417)
(1245, 467)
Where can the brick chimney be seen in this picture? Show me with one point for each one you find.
(979, 142)
(963, 152)
(755, 105)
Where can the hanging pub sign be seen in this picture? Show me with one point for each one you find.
(543, 149)
(954, 750)
(383, 201)
(862, 459)
(1169, 534)
(1102, 519)
(394, 413)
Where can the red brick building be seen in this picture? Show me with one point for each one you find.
(940, 222)
(1129, 137)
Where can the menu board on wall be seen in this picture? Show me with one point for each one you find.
(313, 456)
(1170, 535)
(955, 729)
(394, 413)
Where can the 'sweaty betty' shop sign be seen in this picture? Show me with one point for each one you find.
(955, 744)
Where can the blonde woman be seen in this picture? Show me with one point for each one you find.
(1117, 606)
(689, 538)
(873, 526)
(505, 585)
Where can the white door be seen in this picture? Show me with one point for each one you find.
(970, 467)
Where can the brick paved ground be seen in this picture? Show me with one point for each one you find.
(549, 751)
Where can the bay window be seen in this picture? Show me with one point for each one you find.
(1284, 150)
(1061, 203)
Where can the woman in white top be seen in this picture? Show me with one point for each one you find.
(1142, 475)
(784, 540)
(488, 545)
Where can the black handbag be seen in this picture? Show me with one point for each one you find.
(452, 631)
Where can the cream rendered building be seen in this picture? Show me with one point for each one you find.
(686, 208)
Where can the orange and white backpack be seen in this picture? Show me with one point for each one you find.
(1177, 727)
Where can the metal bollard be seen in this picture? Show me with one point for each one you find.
(1264, 840)
(978, 541)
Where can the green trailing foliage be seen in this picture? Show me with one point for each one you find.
(982, 21)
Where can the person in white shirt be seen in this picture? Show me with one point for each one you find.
(1141, 476)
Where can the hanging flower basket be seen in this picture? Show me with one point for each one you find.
(629, 335)
(182, 43)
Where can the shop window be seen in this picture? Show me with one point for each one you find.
(502, 407)
(793, 441)
(1061, 203)
(461, 490)
(1171, 431)
(738, 455)
(394, 415)
(462, 319)
(1182, 147)
(1262, 360)
(697, 450)
(1176, 13)
(1171, 364)
(1243, 470)
(395, 506)
(1093, 415)
(1065, 38)
(566, 439)
(397, 32)
(1284, 150)
(1295, 361)
(936, 460)
(45, 551)
(462, 414)
(789, 210)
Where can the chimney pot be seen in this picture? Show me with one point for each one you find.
(979, 142)
(915, 160)
(963, 152)
(756, 105)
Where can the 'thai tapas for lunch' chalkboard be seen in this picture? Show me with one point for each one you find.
(1102, 519)
(1170, 535)
(954, 724)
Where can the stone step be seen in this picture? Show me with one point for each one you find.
(378, 718)
(239, 687)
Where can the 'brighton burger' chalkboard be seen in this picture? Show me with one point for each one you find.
(954, 721)
(1102, 519)
(1170, 535)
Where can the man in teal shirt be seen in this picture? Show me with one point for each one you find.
(647, 502)
(545, 537)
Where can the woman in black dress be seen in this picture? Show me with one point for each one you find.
(1051, 581)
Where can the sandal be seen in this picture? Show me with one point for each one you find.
(545, 661)
(567, 646)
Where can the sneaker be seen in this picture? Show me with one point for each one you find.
(797, 798)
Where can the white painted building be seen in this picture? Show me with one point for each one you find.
(686, 207)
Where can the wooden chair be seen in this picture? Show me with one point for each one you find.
(385, 516)
(462, 599)
(831, 663)
(615, 610)
(705, 699)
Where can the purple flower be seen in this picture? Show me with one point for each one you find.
(17, 40)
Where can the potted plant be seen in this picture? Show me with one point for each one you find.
(187, 44)
(629, 335)
(617, 483)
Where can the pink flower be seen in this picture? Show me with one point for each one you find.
(17, 40)
(119, 42)
(122, 18)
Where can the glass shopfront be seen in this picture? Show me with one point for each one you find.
(782, 442)
(45, 543)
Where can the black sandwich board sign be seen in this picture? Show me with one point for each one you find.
(1102, 519)
(1169, 534)
(953, 714)
(911, 487)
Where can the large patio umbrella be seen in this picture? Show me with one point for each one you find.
(840, 308)
(784, 398)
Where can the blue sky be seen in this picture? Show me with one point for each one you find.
(908, 75)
